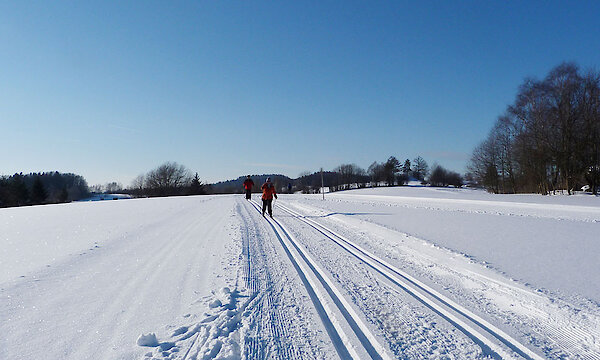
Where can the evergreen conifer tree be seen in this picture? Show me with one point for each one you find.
(420, 169)
(196, 186)
(38, 192)
(64, 195)
(20, 194)
(406, 168)
(392, 167)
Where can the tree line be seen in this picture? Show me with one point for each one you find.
(168, 179)
(173, 179)
(347, 176)
(391, 172)
(548, 139)
(41, 188)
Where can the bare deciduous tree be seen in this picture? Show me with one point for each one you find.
(113, 187)
(349, 174)
(377, 173)
(168, 179)
(138, 184)
(548, 139)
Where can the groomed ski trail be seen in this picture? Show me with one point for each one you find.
(475, 327)
(268, 335)
(264, 315)
(326, 297)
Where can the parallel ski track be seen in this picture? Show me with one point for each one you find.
(275, 322)
(324, 301)
(275, 328)
(469, 323)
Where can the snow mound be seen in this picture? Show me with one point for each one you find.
(147, 340)
(215, 304)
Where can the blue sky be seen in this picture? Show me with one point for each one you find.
(110, 90)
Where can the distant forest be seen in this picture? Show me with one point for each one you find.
(173, 179)
(548, 139)
(41, 188)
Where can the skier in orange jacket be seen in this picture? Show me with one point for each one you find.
(268, 193)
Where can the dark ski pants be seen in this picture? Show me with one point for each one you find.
(268, 204)
(248, 192)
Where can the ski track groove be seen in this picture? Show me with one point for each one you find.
(551, 330)
(427, 296)
(410, 330)
(556, 337)
(561, 337)
(564, 335)
(277, 321)
(336, 333)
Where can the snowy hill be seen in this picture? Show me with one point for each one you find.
(405, 272)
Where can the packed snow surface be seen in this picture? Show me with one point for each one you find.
(384, 273)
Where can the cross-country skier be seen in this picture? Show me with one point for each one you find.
(268, 193)
(248, 184)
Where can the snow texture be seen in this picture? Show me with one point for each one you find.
(404, 272)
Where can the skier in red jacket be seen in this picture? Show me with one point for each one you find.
(268, 193)
(248, 184)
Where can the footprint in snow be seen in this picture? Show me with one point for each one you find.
(216, 336)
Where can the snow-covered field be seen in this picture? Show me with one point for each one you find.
(409, 272)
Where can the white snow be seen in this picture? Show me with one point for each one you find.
(547, 241)
(84, 280)
(209, 278)
(147, 340)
